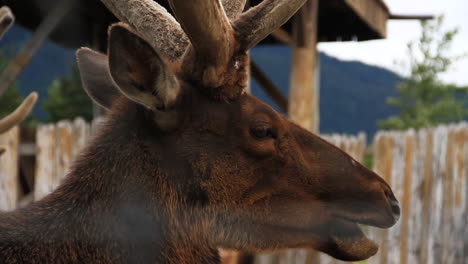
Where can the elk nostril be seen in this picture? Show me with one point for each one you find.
(395, 208)
(394, 205)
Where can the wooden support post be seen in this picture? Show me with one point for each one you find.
(303, 105)
(16, 66)
(303, 98)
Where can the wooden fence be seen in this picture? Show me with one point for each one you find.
(56, 147)
(427, 169)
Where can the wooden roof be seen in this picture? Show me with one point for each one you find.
(86, 24)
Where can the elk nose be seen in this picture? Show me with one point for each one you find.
(394, 205)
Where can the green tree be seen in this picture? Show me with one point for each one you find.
(11, 98)
(9, 101)
(424, 100)
(67, 99)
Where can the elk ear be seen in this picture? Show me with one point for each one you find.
(96, 78)
(140, 73)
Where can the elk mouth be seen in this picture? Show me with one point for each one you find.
(347, 242)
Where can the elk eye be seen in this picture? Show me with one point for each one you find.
(262, 133)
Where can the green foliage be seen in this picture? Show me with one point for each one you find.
(369, 161)
(9, 101)
(11, 98)
(423, 99)
(67, 99)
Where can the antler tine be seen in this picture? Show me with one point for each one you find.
(233, 8)
(19, 114)
(258, 22)
(208, 28)
(157, 26)
(6, 20)
(154, 23)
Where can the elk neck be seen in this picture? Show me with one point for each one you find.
(109, 207)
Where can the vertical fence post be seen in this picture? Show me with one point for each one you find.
(9, 169)
(57, 147)
(45, 161)
(405, 216)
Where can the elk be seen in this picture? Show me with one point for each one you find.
(187, 162)
(6, 20)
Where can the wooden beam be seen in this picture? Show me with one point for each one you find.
(303, 99)
(269, 87)
(411, 17)
(373, 12)
(282, 36)
(16, 66)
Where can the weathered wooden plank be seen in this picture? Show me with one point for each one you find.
(353, 145)
(272, 258)
(416, 202)
(383, 165)
(460, 191)
(407, 195)
(426, 198)
(438, 167)
(9, 169)
(396, 181)
(447, 226)
(45, 161)
(229, 256)
(58, 145)
(464, 248)
(64, 150)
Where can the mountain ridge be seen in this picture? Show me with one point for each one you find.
(352, 94)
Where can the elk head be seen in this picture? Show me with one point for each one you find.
(6, 20)
(242, 176)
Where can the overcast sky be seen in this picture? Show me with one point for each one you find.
(386, 52)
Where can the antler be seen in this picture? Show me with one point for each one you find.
(258, 22)
(6, 20)
(154, 23)
(19, 114)
(233, 8)
(208, 28)
(157, 26)
(217, 30)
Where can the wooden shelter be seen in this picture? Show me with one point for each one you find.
(84, 23)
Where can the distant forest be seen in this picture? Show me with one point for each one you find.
(352, 94)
